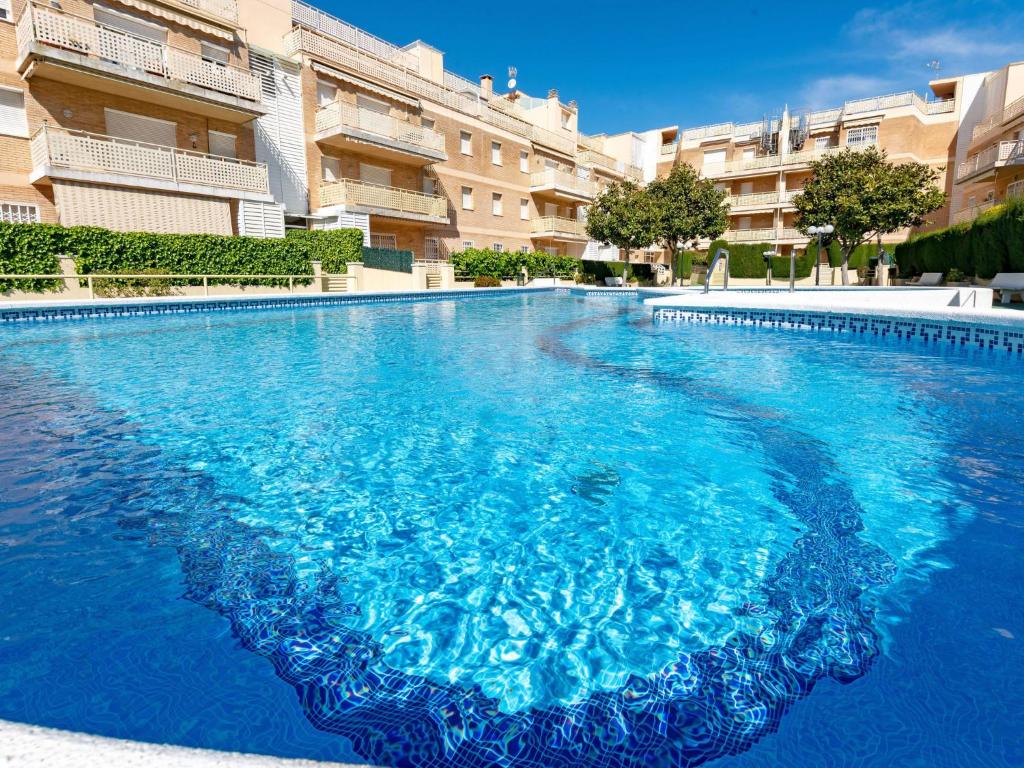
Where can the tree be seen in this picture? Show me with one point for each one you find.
(625, 216)
(864, 195)
(689, 208)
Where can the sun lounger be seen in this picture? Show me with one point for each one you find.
(1008, 283)
(928, 279)
(614, 282)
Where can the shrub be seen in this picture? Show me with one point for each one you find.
(486, 281)
(333, 248)
(745, 259)
(483, 261)
(599, 270)
(30, 249)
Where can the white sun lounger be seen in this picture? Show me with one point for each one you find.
(614, 282)
(928, 279)
(1008, 283)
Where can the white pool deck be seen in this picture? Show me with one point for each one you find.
(30, 746)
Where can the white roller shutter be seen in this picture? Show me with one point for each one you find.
(714, 157)
(130, 24)
(373, 105)
(222, 144)
(375, 174)
(330, 168)
(128, 125)
(12, 113)
(256, 219)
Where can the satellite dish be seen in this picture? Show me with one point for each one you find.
(511, 83)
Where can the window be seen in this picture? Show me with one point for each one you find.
(749, 153)
(215, 54)
(524, 162)
(5, 14)
(498, 248)
(524, 208)
(467, 198)
(466, 142)
(864, 136)
(385, 240)
(372, 105)
(12, 112)
(565, 120)
(325, 93)
(714, 157)
(432, 248)
(222, 144)
(495, 153)
(427, 122)
(822, 142)
(496, 207)
(429, 185)
(128, 125)
(744, 222)
(524, 249)
(467, 244)
(746, 187)
(19, 213)
(330, 168)
(135, 26)
(375, 174)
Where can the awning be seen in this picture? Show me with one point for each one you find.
(178, 18)
(360, 83)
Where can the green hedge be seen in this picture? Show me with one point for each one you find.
(746, 261)
(34, 248)
(474, 262)
(860, 257)
(388, 258)
(992, 243)
(333, 248)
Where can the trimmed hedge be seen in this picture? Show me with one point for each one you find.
(860, 257)
(474, 262)
(992, 243)
(599, 270)
(333, 248)
(387, 259)
(746, 261)
(33, 248)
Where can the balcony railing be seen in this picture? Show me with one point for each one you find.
(753, 200)
(763, 235)
(82, 151)
(971, 212)
(1015, 190)
(399, 72)
(339, 114)
(135, 55)
(995, 120)
(224, 9)
(561, 180)
(559, 226)
(768, 161)
(399, 201)
(998, 154)
(669, 149)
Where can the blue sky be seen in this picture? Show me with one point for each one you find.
(689, 64)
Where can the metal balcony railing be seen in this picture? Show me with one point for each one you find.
(995, 120)
(135, 55)
(1000, 153)
(353, 192)
(340, 113)
(83, 151)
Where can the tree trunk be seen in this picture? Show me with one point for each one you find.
(625, 269)
(673, 255)
(846, 266)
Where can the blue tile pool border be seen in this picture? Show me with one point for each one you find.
(931, 331)
(123, 308)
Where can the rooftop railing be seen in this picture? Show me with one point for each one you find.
(83, 151)
(388, 128)
(105, 45)
(361, 193)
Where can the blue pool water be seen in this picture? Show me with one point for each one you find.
(523, 531)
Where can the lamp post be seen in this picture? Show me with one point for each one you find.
(827, 229)
(768, 260)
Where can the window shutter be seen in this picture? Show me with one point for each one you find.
(133, 26)
(12, 113)
(127, 125)
(374, 174)
(222, 144)
(331, 168)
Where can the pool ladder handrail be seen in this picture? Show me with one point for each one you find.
(711, 270)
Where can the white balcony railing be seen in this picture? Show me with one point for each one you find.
(135, 55)
(768, 162)
(394, 199)
(998, 154)
(339, 114)
(1015, 190)
(995, 120)
(753, 200)
(561, 180)
(762, 235)
(559, 225)
(224, 9)
(971, 212)
(669, 149)
(82, 151)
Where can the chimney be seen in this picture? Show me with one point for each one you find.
(487, 86)
(553, 94)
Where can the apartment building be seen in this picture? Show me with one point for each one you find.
(763, 165)
(990, 142)
(131, 114)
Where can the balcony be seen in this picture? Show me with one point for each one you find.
(558, 228)
(221, 10)
(753, 201)
(563, 184)
(58, 153)
(983, 165)
(81, 52)
(348, 126)
(392, 202)
(768, 163)
(993, 124)
(765, 235)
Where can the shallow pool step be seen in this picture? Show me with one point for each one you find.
(433, 280)
(337, 284)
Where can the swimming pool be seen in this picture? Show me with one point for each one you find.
(532, 530)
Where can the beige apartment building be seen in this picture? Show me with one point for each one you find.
(990, 142)
(764, 164)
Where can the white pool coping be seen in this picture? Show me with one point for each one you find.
(22, 746)
(915, 303)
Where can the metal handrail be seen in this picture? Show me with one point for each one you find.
(89, 278)
(711, 269)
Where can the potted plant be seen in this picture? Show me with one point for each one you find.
(956, 278)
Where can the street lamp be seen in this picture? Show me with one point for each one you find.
(768, 260)
(827, 229)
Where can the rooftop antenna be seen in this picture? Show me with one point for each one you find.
(934, 65)
(512, 72)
